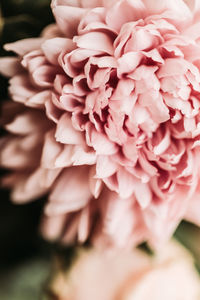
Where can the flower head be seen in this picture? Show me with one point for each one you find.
(112, 94)
(124, 276)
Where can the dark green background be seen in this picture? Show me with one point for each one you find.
(24, 256)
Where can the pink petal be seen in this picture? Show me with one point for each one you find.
(95, 41)
(123, 12)
(68, 18)
(15, 156)
(65, 132)
(24, 46)
(71, 192)
(194, 5)
(44, 76)
(143, 193)
(177, 6)
(126, 183)
(101, 144)
(156, 107)
(193, 210)
(64, 159)
(51, 31)
(173, 67)
(130, 150)
(10, 66)
(25, 123)
(146, 165)
(52, 227)
(29, 188)
(21, 89)
(52, 111)
(82, 157)
(39, 99)
(118, 211)
(105, 167)
(95, 184)
(51, 151)
(163, 145)
(124, 88)
(84, 225)
(79, 3)
(128, 62)
(53, 47)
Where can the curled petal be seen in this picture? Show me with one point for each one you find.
(105, 166)
(101, 144)
(95, 41)
(68, 18)
(71, 196)
(52, 48)
(65, 132)
(24, 46)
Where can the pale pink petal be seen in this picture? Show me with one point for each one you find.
(95, 41)
(24, 46)
(177, 6)
(68, 18)
(51, 31)
(53, 47)
(15, 156)
(193, 211)
(83, 157)
(143, 193)
(126, 183)
(118, 211)
(64, 159)
(29, 188)
(44, 76)
(194, 5)
(71, 196)
(156, 107)
(52, 111)
(163, 145)
(52, 227)
(124, 12)
(39, 99)
(95, 184)
(130, 150)
(50, 151)
(128, 62)
(105, 167)
(10, 66)
(84, 225)
(101, 144)
(79, 3)
(65, 132)
(26, 123)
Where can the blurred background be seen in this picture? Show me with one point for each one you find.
(24, 256)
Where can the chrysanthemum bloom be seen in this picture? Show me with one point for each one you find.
(109, 120)
(129, 276)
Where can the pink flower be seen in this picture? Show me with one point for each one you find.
(109, 120)
(126, 276)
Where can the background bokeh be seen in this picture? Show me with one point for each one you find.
(24, 256)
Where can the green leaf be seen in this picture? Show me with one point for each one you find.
(25, 282)
(189, 235)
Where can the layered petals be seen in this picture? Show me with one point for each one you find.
(106, 120)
